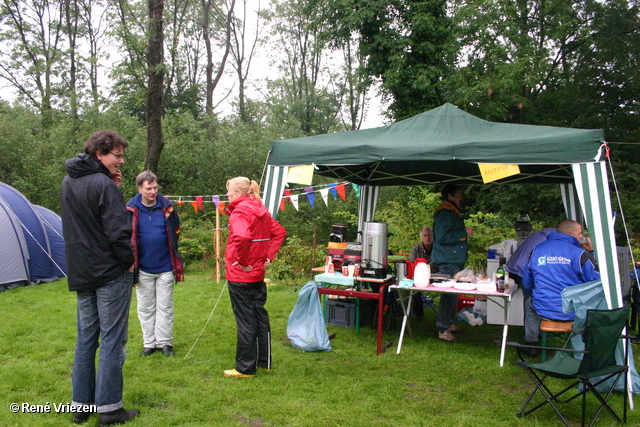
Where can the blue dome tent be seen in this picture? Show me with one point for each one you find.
(31, 244)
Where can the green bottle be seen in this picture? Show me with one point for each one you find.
(500, 278)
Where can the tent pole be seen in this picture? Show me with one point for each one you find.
(313, 251)
(217, 237)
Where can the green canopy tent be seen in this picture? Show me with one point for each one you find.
(445, 145)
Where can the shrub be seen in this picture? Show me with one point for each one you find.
(294, 261)
(196, 238)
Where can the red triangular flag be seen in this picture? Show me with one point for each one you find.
(199, 200)
(221, 206)
(342, 192)
(287, 193)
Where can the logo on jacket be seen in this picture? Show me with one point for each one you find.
(547, 260)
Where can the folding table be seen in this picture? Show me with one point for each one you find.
(501, 298)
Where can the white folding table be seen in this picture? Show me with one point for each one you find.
(503, 299)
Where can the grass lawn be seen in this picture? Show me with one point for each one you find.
(432, 383)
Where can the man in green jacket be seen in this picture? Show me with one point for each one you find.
(450, 252)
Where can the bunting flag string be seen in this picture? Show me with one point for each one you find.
(292, 195)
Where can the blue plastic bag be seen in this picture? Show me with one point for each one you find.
(306, 328)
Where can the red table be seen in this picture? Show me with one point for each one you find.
(339, 280)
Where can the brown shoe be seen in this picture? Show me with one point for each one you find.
(447, 336)
(455, 329)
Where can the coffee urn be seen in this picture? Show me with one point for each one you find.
(374, 250)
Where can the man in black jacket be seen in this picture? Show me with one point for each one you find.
(97, 234)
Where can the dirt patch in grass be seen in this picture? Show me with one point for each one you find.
(252, 422)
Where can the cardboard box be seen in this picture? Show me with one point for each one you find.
(337, 245)
(354, 246)
(352, 256)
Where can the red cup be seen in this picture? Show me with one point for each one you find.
(345, 270)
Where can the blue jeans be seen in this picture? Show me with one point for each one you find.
(103, 318)
(448, 307)
(531, 320)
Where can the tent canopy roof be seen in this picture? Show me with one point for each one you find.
(441, 145)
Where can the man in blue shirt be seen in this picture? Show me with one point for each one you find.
(556, 264)
(156, 227)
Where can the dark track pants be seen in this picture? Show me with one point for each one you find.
(253, 347)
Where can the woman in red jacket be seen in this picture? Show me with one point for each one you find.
(254, 240)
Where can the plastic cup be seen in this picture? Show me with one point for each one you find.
(351, 270)
(345, 270)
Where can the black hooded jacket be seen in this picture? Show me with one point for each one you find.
(95, 224)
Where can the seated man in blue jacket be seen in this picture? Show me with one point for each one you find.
(556, 264)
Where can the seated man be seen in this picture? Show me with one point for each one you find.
(421, 250)
(556, 264)
(516, 266)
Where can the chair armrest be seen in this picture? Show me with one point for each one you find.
(568, 350)
(518, 346)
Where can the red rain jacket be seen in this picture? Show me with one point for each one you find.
(254, 236)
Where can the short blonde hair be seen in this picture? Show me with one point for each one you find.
(245, 186)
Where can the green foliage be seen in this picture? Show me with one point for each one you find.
(410, 47)
(305, 220)
(489, 229)
(197, 241)
(542, 201)
(294, 262)
(407, 211)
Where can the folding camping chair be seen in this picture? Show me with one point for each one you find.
(602, 332)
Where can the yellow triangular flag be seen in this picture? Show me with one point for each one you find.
(493, 172)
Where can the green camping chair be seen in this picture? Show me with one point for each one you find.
(602, 332)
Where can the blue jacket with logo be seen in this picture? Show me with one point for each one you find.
(555, 264)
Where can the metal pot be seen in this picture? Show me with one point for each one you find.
(402, 270)
(375, 247)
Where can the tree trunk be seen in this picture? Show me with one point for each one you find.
(71, 15)
(155, 87)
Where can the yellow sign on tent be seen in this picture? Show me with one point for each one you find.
(492, 172)
(300, 174)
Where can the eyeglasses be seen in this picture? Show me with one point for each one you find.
(118, 156)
